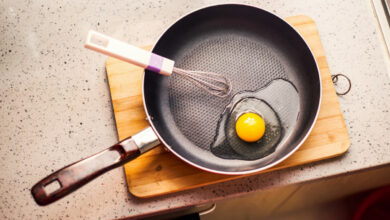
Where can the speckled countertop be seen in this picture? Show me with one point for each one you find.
(55, 104)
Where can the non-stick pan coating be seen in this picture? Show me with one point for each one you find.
(252, 47)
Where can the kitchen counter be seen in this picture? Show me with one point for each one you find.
(55, 102)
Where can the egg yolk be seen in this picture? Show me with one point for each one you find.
(250, 127)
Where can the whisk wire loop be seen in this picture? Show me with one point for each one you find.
(211, 82)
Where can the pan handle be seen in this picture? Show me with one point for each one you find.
(78, 174)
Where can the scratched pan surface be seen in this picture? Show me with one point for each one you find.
(252, 47)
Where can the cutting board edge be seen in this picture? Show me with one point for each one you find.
(134, 192)
(344, 146)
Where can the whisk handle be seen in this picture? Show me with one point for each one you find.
(128, 53)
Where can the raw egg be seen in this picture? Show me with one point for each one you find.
(254, 123)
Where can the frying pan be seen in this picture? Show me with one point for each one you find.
(252, 47)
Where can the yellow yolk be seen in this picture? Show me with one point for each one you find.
(250, 127)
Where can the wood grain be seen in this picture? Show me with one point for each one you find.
(159, 172)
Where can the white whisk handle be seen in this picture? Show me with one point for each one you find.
(129, 53)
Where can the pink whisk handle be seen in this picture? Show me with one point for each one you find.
(129, 53)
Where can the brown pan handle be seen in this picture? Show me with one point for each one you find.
(78, 174)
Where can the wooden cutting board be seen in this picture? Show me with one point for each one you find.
(159, 172)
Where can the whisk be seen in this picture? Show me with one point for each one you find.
(213, 83)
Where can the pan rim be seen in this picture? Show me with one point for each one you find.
(256, 170)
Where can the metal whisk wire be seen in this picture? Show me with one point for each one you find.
(213, 83)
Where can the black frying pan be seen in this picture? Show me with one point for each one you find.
(252, 47)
